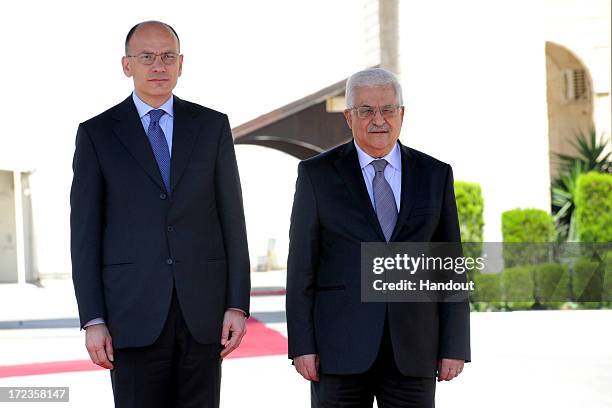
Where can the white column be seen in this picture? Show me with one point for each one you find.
(19, 235)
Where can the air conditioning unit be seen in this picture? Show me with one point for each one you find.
(576, 85)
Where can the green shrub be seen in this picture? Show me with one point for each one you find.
(526, 226)
(552, 284)
(594, 207)
(470, 206)
(518, 287)
(487, 288)
(607, 284)
(587, 280)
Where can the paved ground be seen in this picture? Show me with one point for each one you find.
(520, 359)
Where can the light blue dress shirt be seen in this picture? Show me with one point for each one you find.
(166, 121)
(393, 171)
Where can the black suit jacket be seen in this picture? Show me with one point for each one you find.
(131, 240)
(332, 215)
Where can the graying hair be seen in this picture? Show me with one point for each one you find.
(372, 77)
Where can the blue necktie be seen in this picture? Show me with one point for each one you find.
(159, 145)
(384, 200)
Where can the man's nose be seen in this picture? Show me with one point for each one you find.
(378, 118)
(158, 65)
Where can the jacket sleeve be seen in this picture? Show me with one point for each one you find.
(301, 267)
(454, 316)
(86, 218)
(228, 194)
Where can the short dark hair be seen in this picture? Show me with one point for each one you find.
(130, 33)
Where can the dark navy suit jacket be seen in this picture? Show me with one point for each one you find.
(332, 216)
(131, 240)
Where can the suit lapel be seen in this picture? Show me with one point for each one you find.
(409, 188)
(131, 134)
(350, 171)
(183, 139)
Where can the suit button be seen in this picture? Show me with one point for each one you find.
(163, 196)
(169, 261)
(170, 228)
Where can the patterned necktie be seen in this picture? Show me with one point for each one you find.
(159, 145)
(384, 200)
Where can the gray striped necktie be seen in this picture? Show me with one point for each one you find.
(159, 144)
(384, 200)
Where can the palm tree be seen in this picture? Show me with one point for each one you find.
(591, 155)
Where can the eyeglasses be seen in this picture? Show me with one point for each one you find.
(368, 112)
(148, 58)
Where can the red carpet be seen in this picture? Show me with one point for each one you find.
(55, 367)
(259, 341)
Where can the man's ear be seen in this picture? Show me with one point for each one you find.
(127, 69)
(347, 116)
(180, 61)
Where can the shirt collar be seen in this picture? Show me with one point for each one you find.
(393, 157)
(143, 109)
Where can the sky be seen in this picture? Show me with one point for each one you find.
(244, 58)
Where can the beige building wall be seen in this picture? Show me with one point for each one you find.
(570, 102)
(8, 244)
(17, 255)
(475, 96)
(484, 89)
(578, 35)
(380, 22)
(583, 27)
(371, 32)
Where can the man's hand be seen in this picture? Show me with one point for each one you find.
(449, 368)
(99, 345)
(234, 329)
(308, 366)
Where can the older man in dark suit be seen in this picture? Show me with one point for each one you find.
(372, 189)
(159, 253)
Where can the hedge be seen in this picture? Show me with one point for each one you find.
(518, 286)
(552, 283)
(526, 226)
(487, 288)
(470, 206)
(587, 282)
(594, 207)
(607, 284)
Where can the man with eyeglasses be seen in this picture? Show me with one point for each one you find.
(158, 240)
(371, 189)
